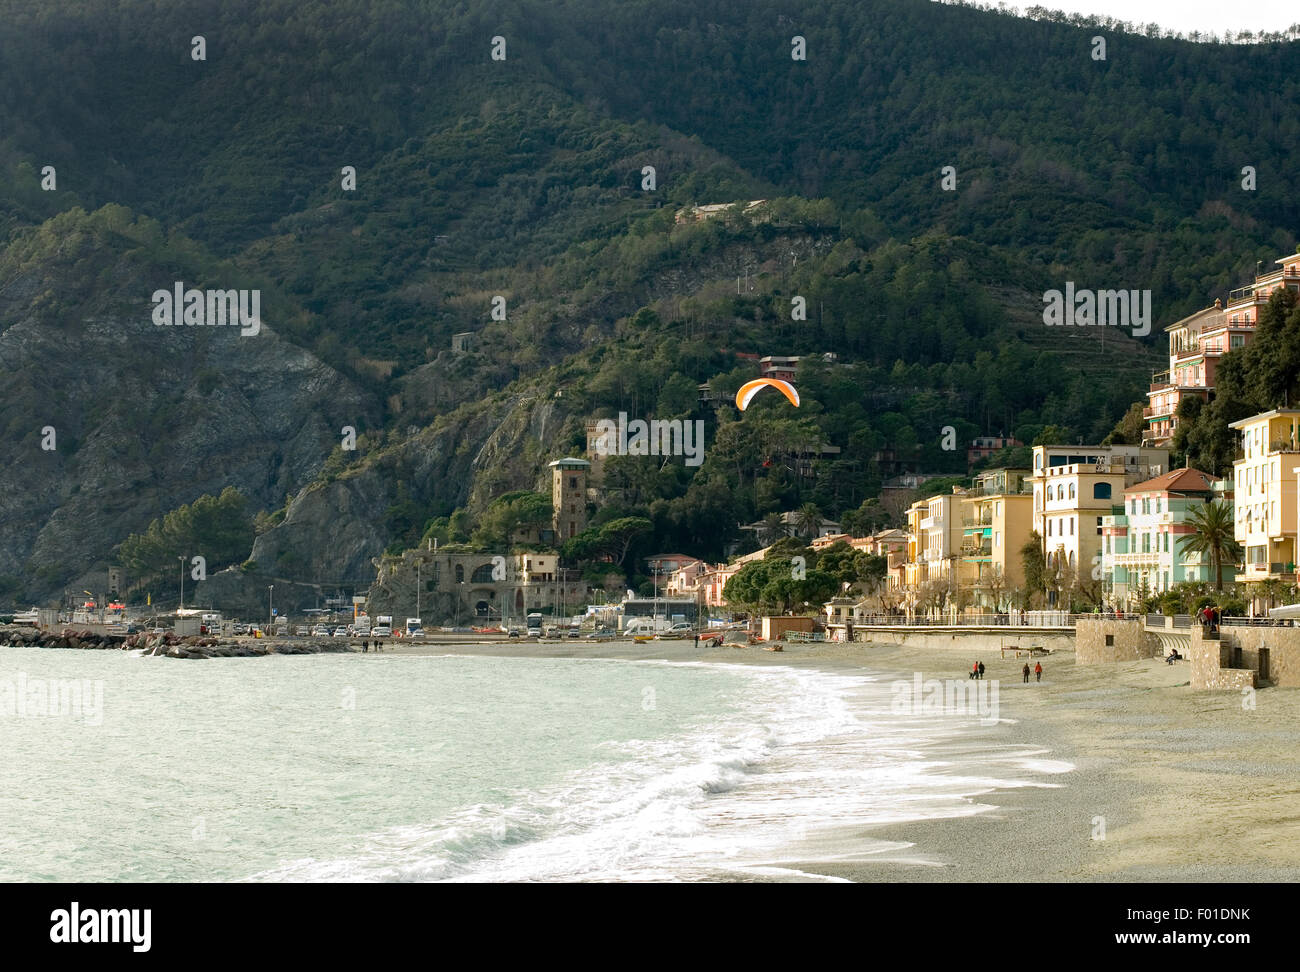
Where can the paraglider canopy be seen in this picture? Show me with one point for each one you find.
(751, 388)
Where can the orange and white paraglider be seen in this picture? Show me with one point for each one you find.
(751, 388)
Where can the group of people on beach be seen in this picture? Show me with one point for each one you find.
(977, 671)
(365, 645)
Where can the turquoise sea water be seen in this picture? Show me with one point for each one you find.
(372, 768)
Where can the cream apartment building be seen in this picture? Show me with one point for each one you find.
(1075, 489)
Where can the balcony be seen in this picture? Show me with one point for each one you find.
(1161, 411)
(985, 519)
(1140, 559)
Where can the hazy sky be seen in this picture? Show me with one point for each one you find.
(1183, 16)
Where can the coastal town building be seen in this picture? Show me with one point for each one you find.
(1198, 342)
(1143, 547)
(934, 531)
(987, 445)
(997, 520)
(1264, 479)
(569, 496)
(449, 584)
(793, 527)
(1075, 488)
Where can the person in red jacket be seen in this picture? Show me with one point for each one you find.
(1038, 671)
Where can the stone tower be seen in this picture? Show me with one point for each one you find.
(569, 497)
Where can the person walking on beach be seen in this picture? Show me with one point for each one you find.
(1026, 673)
(1038, 672)
(975, 670)
(981, 674)
(365, 647)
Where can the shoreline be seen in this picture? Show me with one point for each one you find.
(1167, 784)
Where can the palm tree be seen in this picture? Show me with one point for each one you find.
(1215, 535)
(773, 528)
(808, 520)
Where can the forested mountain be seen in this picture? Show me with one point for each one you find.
(524, 178)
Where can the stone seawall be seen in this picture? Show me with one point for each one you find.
(969, 639)
(1102, 640)
(162, 645)
(1273, 652)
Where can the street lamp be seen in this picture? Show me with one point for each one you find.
(270, 611)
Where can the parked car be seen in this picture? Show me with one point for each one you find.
(574, 633)
(340, 632)
(302, 631)
(320, 631)
(681, 627)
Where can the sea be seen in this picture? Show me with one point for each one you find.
(405, 768)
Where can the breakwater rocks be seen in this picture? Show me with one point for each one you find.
(164, 645)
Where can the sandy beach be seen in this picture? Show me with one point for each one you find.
(1168, 784)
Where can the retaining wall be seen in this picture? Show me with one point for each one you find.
(968, 639)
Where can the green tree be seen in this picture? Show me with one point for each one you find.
(1035, 566)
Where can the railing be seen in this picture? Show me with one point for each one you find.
(1241, 293)
(1154, 412)
(971, 521)
(1257, 622)
(1032, 619)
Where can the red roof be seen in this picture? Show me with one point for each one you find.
(1179, 481)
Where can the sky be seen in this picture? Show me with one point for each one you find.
(1183, 16)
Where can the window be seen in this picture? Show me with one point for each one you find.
(573, 482)
(1051, 493)
(460, 574)
(1101, 490)
(1072, 529)
(1098, 526)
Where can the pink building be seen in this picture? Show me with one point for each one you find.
(1198, 342)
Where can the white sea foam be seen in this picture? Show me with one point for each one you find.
(796, 775)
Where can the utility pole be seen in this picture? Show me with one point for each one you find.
(270, 610)
(417, 588)
(182, 604)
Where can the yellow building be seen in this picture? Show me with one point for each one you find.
(1265, 494)
(997, 519)
(934, 532)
